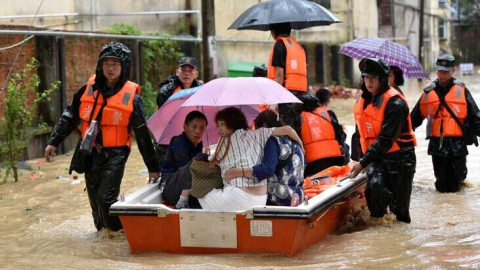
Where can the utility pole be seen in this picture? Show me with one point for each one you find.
(392, 10)
(420, 40)
(208, 32)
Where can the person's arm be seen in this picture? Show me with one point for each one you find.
(416, 115)
(261, 171)
(165, 92)
(66, 124)
(279, 77)
(142, 135)
(395, 116)
(279, 59)
(181, 155)
(473, 113)
(290, 132)
(340, 134)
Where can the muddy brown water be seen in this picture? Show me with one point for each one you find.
(45, 223)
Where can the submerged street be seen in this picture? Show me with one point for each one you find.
(46, 222)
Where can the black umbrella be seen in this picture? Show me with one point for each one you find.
(299, 13)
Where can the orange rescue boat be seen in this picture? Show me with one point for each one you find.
(152, 226)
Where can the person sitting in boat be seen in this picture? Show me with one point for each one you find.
(245, 151)
(176, 174)
(282, 165)
(322, 134)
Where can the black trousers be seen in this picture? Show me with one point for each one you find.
(103, 181)
(390, 185)
(174, 185)
(290, 112)
(321, 164)
(450, 172)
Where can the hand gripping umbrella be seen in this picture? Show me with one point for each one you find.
(299, 13)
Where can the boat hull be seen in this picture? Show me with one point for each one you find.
(155, 228)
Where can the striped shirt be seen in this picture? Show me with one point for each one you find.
(246, 150)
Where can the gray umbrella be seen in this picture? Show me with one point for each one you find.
(299, 13)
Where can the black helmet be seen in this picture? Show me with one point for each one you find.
(114, 49)
(310, 103)
(374, 67)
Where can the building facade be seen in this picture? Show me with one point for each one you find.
(325, 64)
(399, 20)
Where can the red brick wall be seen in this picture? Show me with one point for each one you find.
(81, 60)
(81, 55)
(7, 56)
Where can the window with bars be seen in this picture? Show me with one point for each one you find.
(442, 3)
(442, 29)
(323, 3)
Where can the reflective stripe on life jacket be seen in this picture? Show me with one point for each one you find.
(295, 65)
(115, 115)
(369, 122)
(318, 135)
(443, 123)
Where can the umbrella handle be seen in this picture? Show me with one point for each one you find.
(206, 131)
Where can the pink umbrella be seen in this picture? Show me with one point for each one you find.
(168, 121)
(241, 91)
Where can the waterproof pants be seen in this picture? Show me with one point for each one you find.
(174, 185)
(103, 181)
(290, 112)
(390, 185)
(450, 172)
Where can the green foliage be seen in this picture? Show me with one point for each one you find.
(16, 128)
(160, 58)
(149, 96)
(123, 29)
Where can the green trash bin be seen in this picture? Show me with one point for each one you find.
(241, 69)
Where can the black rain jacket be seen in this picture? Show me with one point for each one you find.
(70, 119)
(451, 146)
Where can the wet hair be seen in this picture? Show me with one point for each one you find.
(233, 117)
(281, 28)
(269, 118)
(323, 95)
(398, 75)
(310, 103)
(195, 115)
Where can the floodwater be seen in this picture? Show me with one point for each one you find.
(45, 223)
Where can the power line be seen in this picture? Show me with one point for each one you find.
(4, 84)
(16, 44)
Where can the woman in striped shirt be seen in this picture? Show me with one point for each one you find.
(246, 150)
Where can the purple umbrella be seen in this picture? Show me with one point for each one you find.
(395, 54)
(241, 91)
(168, 120)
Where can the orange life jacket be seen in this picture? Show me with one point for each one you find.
(318, 135)
(295, 65)
(442, 122)
(369, 122)
(115, 115)
(177, 89)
